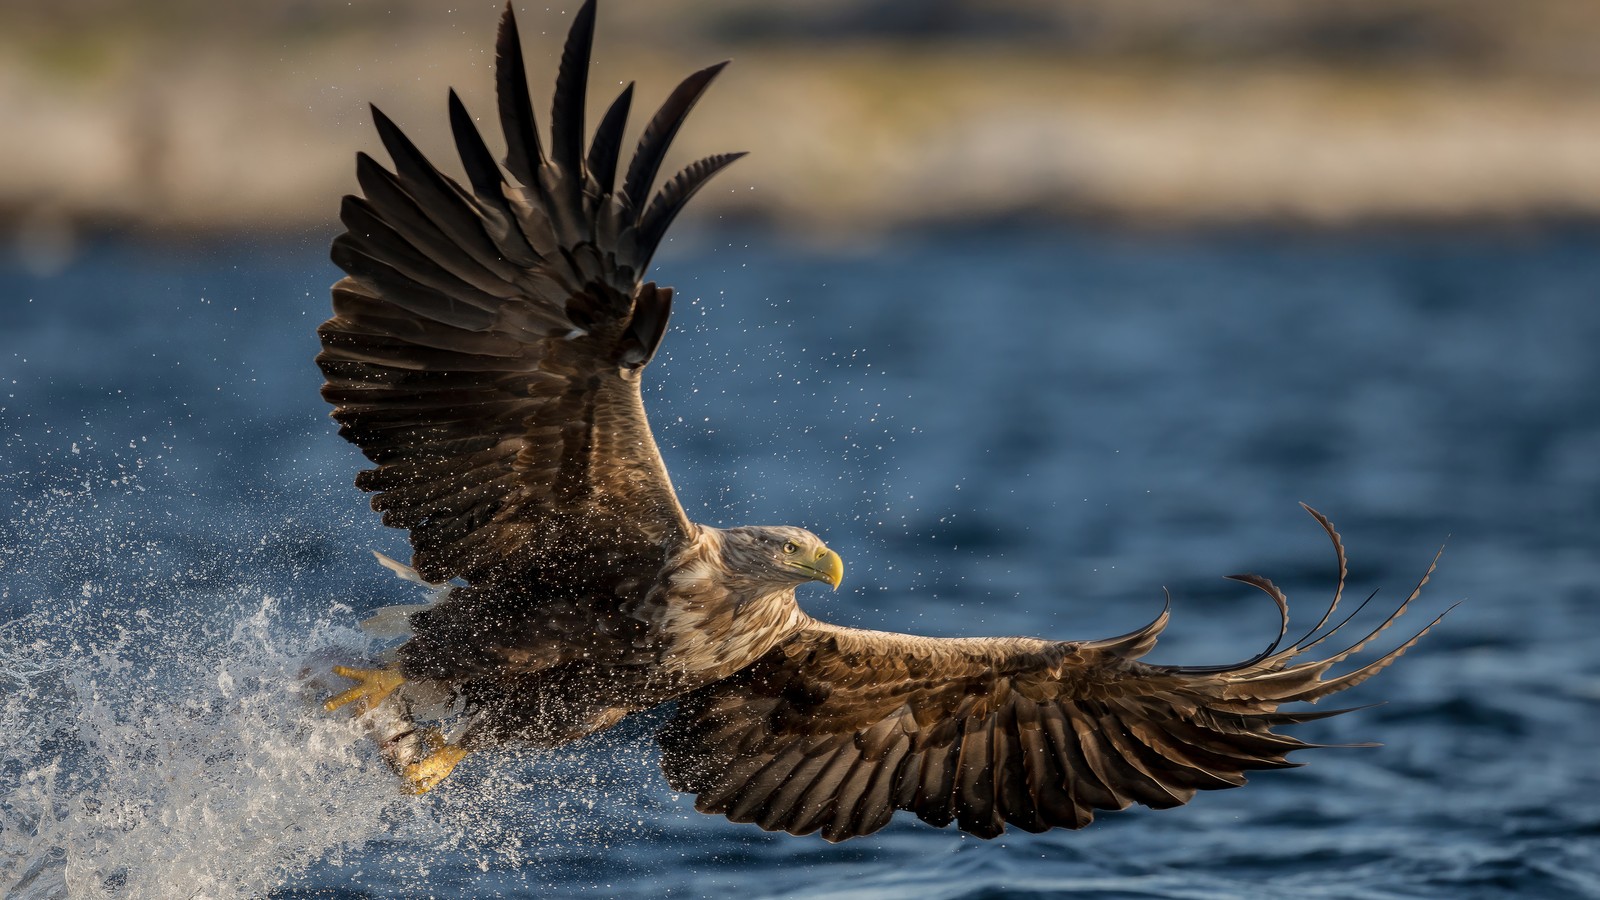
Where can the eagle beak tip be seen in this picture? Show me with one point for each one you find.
(833, 568)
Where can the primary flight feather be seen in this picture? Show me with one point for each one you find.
(486, 353)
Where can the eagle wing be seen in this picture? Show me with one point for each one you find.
(486, 349)
(836, 729)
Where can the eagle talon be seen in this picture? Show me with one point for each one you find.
(425, 774)
(374, 686)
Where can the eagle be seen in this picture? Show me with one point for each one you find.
(486, 353)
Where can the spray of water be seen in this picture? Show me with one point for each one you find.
(157, 752)
(161, 733)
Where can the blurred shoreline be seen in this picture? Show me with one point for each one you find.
(861, 118)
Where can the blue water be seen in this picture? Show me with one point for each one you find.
(1001, 432)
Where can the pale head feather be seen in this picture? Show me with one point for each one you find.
(757, 555)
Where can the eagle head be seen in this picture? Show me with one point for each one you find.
(781, 555)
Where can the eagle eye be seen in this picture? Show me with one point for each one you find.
(789, 547)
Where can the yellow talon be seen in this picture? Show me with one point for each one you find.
(425, 774)
(373, 686)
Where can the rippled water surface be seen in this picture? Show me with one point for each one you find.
(1002, 432)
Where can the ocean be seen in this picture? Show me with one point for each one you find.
(1009, 430)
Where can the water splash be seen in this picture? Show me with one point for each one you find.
(174, 757)
(162, 736)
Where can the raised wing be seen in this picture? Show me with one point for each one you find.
(486, 349)
(837, 728)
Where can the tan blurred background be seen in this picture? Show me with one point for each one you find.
(862, 114)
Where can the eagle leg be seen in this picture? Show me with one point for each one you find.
(373, 686)
(425, 774)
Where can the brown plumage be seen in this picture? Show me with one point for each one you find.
(486, 352)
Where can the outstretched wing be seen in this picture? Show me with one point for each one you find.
(837, 728)
(486, 349)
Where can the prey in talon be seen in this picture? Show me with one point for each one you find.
(419, 754)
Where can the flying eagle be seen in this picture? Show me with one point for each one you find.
(486, 353)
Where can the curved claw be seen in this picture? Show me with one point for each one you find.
(425, 774)
(373, 686)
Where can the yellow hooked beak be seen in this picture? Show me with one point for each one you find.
(826, 567)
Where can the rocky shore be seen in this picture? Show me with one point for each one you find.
(209, 122)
